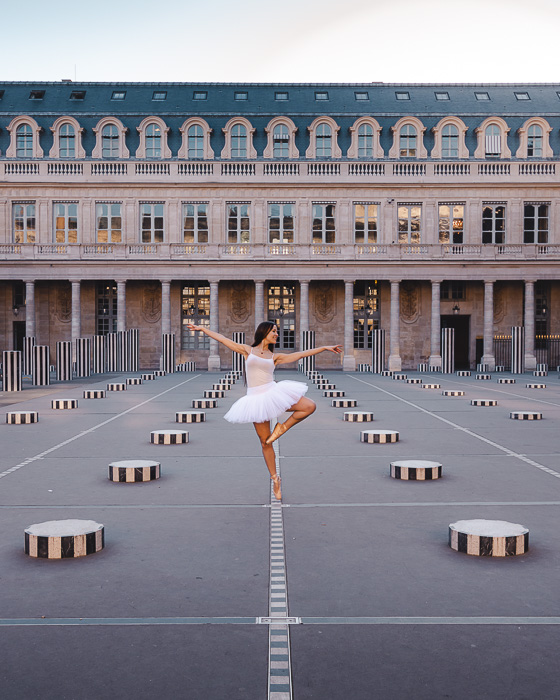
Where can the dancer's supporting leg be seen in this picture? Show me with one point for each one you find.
(300, 411)
(263, 431)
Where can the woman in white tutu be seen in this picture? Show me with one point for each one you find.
(265, 398)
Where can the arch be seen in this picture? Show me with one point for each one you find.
(98, 131)
(394, 152)
(353, 151)
(311, 151)
(78, 131)
(164, 130)
(293, 152)
(208, 153)
(11, 151)
(523, 131)
(437, 130)
(480, 132)
(250, 130)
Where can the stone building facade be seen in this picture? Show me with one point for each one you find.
(333, 208)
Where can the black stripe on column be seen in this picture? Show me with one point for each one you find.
(511, 546)
(43, 547)
(26, 549)
(67, 547)
(462, 542)
(138, 474)
(90, 543)
(486, 546)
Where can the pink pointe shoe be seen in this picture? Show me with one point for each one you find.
(279, 429)
(276, 487)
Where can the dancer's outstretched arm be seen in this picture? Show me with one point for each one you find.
(236, 347)
(285, 358)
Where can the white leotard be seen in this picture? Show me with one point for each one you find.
(260, 370)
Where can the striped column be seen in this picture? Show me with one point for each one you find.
(168, 352)
(99, 354)
(517, 349)
(378, 351)
(308, 343)
(133, 349)
(83, 357)
(448, 350)
(122, 343)
(112, 352)
(41, 375)
(237, 360)
(11, 370)
(64, 360)
(395, 362)
(28, 343)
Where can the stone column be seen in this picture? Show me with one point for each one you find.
(30, 308)
(214, 358)
(348, 361)
(165, 306)
(488, 357)
(121, 305)
(529, 323)
(303, 305)
(76, 310)
(259, 302)
(395, 362)
(435, 338)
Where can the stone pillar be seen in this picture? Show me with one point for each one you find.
(259, 302)
(529, 323)
(435, 339)
(214, 358)
(488, 357)
(165, 306)
(395, 362)
(76, 313)
(303, 306)
(121, 305)
(349, 361)
(30, 308)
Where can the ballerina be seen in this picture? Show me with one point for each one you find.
(265, 398)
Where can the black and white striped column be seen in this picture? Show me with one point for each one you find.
(123, 351)
(237, 361)
(378, 351)
(64, 360)
(28, 344)
(308, 343)
(133, 349)
(112, 352)
(11, 370)
(448, 350)
(83, 357)
(41, 375)
(99, 354)
(517, 349)
(168, 352)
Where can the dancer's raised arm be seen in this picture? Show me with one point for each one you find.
(236, 347)
(285, 358)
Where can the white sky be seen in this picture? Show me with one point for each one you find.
(290, 40)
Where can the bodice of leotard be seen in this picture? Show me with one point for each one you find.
(260, 370)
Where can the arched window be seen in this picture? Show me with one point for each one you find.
(450, 141)
(365, 133)
(492, 141)
(110, 141)
(407, 141)
(67, 141)
(323, 138)
(153, 141)
(24, 141)
(281, 141)
(238, 141)
(535, 141)
(195, 138)
(365, 141)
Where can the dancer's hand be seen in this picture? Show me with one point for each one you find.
(192, 327)
(337, 349)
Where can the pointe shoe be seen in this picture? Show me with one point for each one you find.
(279, 429)
(276, 487)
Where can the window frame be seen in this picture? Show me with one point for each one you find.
(197, 313)
(197, 216)
(366, 313)
(238, 235)
(493, 232)
(455, 235)
(58, 139)
(111, 231)
(250, 131)
(208, 153)
(366, 218)
(286, 321)
(123, 151)
(142, 150)
(410, 233)
(70, 213)
(539, 233)
(293, 152)
(155, 232)
(320, 235)
(25, 218)
(282, 228)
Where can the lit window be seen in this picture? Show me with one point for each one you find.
(410, 223)
(65, 222)
(451, 218)
(402, 95)
(23, 219)
(365, 223)
(159, 96)
(281, 96)
(282, 312)
(522, 96)
(535, 223)
(77, 95)
(366, 312)
(442, 95)
(281, 223)
(195, 310)
(361, 96)
(108, 222)
(36, 94)
(118, 95)
(321, 95)
(195, 223)
(482, 96)
(240, 96)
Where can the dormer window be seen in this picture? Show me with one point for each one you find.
(118, 95)
(241, 96)
(321, 95)
(36, 94)
(281, 96)
(200, 95)
(442, 96)
(159, 95)
(402, 95)
(481, 96)
(522, 96)
(78, 95)
(361, 96)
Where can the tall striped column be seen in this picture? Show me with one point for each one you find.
(64, 360)
(237, 360)
(112, 352)
(99, 354)
(168, 352)
(308, 343)
(83, 357)
(378, 351)
(122, 343)
(41, 375)
(448, 350)
(133, 349)
(28, 343)
(517, 349)
(11, 370)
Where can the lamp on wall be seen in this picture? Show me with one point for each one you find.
(456, 309)
(281, 310)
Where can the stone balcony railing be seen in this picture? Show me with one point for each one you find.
(261, 171)
(277, 251)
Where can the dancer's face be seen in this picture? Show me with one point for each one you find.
(272, 336)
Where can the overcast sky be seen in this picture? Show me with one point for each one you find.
(290, 40)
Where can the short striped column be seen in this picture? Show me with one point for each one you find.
(540, 373)
(148, 377)
(463, 373)
(64, 539)
(28, 344)
(488, 538)
(414, 380)
(169, 437)
(362, 367)
(505, 380)
(204, 403)
(452, 392)
(83, 357)
(130, 471)
(11, 370)
(41, 375)
(64, 404)
(159, 373)
(423, 367)
(117, 386)
(168, 352)
(333, 393)
(190, 417)
(64, 360)
(399, 376)
(541, 367)
(378, 350)
(212, 394)
(483, 377)
(94, 394)
(387, 373)
(380, 437)
(112, 340)
(22, 417)
(517, 349)
(308, 343)
(133, 349)
(124, 359)
(500, 368)
(525, 415)
(134, 381)
(431, 386)
(237, 360)
(99, 354)
(482, 368)
(358, 416)
(415, 470)
(344, 403)
(447, 350)
(535, 386)
(484, 402)
(434, 368)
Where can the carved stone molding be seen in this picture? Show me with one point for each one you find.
(240, 307)
(410, 302)
(151, 306)
(499, 304)
(324, 302)
(63, 304)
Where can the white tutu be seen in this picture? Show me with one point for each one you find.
(266, 402)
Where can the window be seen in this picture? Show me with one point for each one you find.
(407, 141)
(450, 141)
(36, 94)
(402, 95)
(195, 138)
(159, 95)
(321, 95)
(324, 230)
(281, 222)
(361, 96)
(118, 95)
(78, 95)
(365, 223)
(522, 96)
(238, 141)
(410, 223)
(281, 96)
(106, 320)
(535, 141)
(323, 141)
(18, 295)
(493, 141)
(494, 223)
(23, 222)
(110, 141)
(24, 141)
(2, 94)
(535, 223)
(67, 141)
(200, 95)
(195, 222)
(240, 96)
(366, 313)
(239, 223)
(151, 222)
(452, 291)
(542, 316)
(451, 221)
(282, 312)
(281, 141)
(365, 141)
(108, 222)
(481, 96)
(65, 222)
(153, 141)
(442, 95)
(196, 310)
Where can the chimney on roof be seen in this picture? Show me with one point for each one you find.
(66, 80)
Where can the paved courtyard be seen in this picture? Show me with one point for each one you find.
(209, 590)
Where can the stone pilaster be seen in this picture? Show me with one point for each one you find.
(435, 336)
(165, 306)
(214, 358)
(30, 308)
(121, 305)
(488, 357)
(395, 362)
(529, 323)
(259, 302)
(348, 361)
(76, 311)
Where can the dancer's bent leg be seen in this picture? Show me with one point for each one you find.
(300, 411)
(263, 431)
